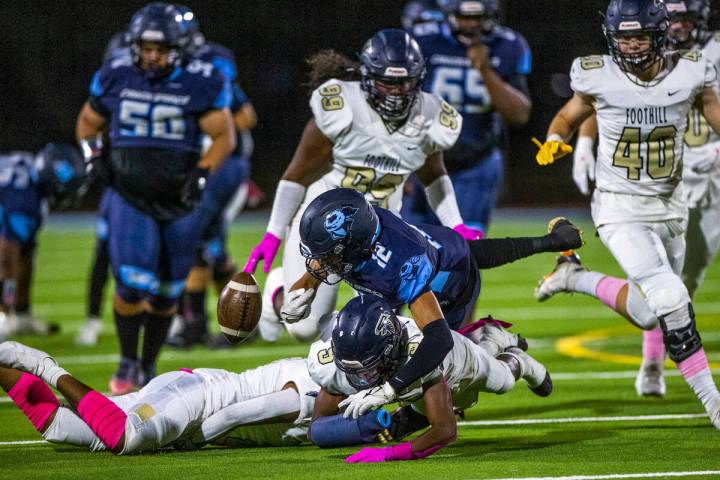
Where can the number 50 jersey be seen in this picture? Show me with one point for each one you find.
(369, 157)
(641, 129)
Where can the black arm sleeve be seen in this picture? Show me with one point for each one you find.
(436, 343)
(493, 252)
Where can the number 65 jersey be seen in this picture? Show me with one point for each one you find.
(369, 157)
(641, 129)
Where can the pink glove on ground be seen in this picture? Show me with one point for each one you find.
(469, 233)
(383, 454)
(265, 250)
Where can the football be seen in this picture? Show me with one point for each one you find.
(239, 307)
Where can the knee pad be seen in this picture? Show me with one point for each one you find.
(680, 333)
(305, 330)
(638, 308)
(665, 293)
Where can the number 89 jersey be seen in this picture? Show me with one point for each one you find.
(366, 155)
(641, 129)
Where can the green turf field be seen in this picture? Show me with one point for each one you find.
(592, 426)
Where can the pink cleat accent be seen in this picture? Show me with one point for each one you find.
(119, 386)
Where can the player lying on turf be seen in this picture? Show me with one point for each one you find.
(431, 269)
(370, 344)
(185, 409)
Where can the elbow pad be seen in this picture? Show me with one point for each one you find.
(338, 431)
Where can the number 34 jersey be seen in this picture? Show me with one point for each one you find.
(641, 129)
(369, 157)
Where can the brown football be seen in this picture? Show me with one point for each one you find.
(239, 307)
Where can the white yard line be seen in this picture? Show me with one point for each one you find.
(627, 418)
(612, 476)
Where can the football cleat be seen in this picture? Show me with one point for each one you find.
(26, 324)
(30, 360)
(533, 372)
(492, 337)
(125, 378)
(88, 334)
(270, 326)
(562, 278)
(650, 381)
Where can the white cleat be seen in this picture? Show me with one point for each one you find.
(533, 372)
(30, 360)
(26, 324)
(650, 381)
(270, 327)
(562, 278)
(88, 334)
(495, 339)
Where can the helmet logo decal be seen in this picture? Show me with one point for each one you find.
(630, 26)
(385, 326)
(472, 8)
(153, 36)
(396, 72)
(339, 222)
(409, 270)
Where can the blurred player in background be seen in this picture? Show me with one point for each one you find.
(642, 99)
(371, 128)
(422, 17)
(480, 68)
(369, 344)
(223, 197)
(28, 183)
(701, 178)
(155, 106)
(185, 409)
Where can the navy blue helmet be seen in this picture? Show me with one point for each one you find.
(368, 341)
(421, 11)
(61, 174)
(392, 69)
(337, 232)
(160, 23)
(632, 18)
(485, 11)
(688, 22)
(118, 46)
(197, 39)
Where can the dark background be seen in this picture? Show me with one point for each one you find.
(49, 52)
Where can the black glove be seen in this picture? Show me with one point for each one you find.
(563, 235)
(96, 168)
(405, 421)
(194, 186)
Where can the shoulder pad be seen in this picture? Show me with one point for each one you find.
(330, 104)
(425, 29)
(583, 70)
(121, 61)
(446, 123)
(505, 33)
(199, 67)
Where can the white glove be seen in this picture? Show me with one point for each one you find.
(583, 164)
(363, 401)
(296, 305)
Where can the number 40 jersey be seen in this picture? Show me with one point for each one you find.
(369, 157)
(641, 129)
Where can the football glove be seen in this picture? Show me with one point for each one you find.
(265, 250)
(363, 401)
(96, 168)
(583, 164)
(551, 150)
(194, 186)
(564, 235)
(296, 305)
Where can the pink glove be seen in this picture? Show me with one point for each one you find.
(469, 233)
(383, 454)
(265, 250)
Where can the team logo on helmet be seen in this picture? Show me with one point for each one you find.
(339, 222)
(385, 326)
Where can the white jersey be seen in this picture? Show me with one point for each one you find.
(641, 129)
(702, 144)
(465, 368)
(366, 155)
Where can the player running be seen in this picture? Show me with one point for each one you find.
(371, 128)
(28, 183)
(155, 105)
(480, 68)
(370, 344)
(432, 269)
(265, 406)
(642, 98)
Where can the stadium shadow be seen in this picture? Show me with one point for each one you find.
(617, 406)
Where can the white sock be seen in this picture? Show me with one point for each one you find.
(586, 282)
(704, 387)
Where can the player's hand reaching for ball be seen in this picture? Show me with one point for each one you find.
(266, 251)
(296, 304)
(363, 401)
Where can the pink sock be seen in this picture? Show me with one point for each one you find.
(35, 399)
(608, 289)
(695, 363)
(653, 345)
(105, 418)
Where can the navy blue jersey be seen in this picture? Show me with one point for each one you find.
(451, 76)
(409, 261)
(22, 204)
(224, 61)
(155, 134)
